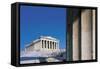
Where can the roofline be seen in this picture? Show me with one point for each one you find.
(41, 38)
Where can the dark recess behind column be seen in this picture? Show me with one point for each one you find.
(69, 35)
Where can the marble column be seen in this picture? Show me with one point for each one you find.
(55, 45)
(48, 44)
(51, 45)
(42, 43)
(45, 44)
(86, 34)
(75, 40)
(93, 32)
(76, 34)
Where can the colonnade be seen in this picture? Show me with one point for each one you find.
(49, 44)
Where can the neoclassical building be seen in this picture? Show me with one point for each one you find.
(44, 43)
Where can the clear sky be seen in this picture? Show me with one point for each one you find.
(46, 21)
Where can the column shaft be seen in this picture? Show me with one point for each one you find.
(75, 39)
(86, 31)
(93, 32)
(45, 43)
(42, 44)
(52, 45)
(48, 44)
(55, 45)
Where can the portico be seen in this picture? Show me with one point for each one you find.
(44, 43)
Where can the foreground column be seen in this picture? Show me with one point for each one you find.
(86, 34)
(93, 32)
(75, 41)
(76, 21)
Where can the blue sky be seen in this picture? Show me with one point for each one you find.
(46, 21)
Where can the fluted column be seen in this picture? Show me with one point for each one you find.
(55, 45)
(45, 44)
(49, 44)
(93, 32)
(42, 44)
(86, 31)
(52, 45)
(75, 40)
